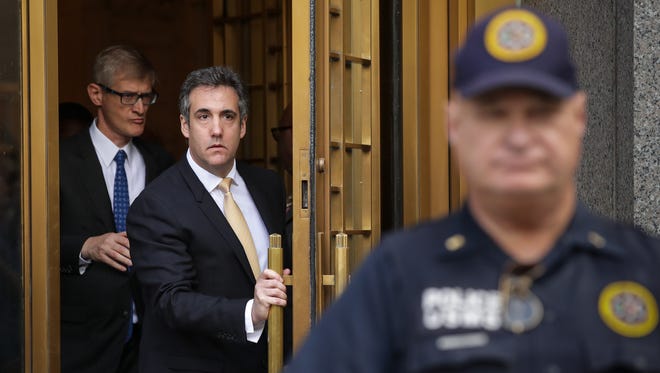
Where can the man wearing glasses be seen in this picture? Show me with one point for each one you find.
(102, 170)
(524, 278)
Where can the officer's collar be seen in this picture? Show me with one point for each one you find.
(590, 232)
(586, 232)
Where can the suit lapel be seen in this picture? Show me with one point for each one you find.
(150, 163)
(214, 215)
(92, 179)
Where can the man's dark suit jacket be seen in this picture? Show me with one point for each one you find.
(95, 306)
(195, 277)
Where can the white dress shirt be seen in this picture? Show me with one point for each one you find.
(133, 165)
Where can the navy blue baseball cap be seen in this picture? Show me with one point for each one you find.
(515, 47)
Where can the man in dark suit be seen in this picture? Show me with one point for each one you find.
(202, 270)
(98, 307)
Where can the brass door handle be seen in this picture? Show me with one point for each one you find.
(341, 263)
(276, 313)
(340, 279)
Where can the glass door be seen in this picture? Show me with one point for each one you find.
(29, 221)
(11, 271)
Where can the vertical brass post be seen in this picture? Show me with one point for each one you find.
(341, 263)
(276, 314)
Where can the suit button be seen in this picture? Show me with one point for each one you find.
(124, 313)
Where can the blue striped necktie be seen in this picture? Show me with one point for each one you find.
(120, 205)
(120, 201)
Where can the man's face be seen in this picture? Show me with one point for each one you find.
(120, 122)
(215, 128)
(517, 142)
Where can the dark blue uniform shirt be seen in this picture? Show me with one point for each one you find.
(430, 299)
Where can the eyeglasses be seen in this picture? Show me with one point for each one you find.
(131, 98)
(276, 131)
(522, 310)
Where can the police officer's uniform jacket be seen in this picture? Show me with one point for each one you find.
(430, 299)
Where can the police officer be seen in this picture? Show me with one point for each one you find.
(524, 278)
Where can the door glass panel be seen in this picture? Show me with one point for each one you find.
(11, 316)
(346, 129)
(249, 37)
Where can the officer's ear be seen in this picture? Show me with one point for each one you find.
(452, 110)
(578, 104)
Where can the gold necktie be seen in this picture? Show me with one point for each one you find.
(240, 227)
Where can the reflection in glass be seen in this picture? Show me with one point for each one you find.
(11, 315)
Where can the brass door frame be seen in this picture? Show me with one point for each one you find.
(351, 151)
(40, 186)
(348, 135)
(431, 30)
(431, 182)
(302, 92)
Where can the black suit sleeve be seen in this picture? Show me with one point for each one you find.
(167, 273)
(85, 209)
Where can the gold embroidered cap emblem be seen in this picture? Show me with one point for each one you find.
(628, 308)
(515, 35)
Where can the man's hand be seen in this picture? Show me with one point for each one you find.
(269, 291)
(110, 248)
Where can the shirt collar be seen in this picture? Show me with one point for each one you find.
(106, 149)
(209, 180)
